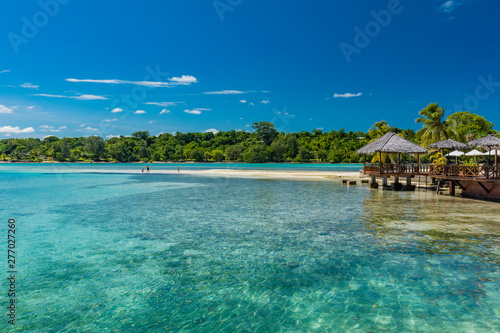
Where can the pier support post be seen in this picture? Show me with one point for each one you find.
(397, 186)
(384, 181)
(408, 181)
(373, 182)
(452, 187)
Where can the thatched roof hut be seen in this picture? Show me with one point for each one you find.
(391, 143)
(448, 144)
(486, 142)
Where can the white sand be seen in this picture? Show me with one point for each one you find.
(273, 174)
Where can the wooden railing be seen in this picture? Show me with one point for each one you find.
(390, 168)
(433, 169)
(465, 171)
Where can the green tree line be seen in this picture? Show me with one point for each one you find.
(264, 144)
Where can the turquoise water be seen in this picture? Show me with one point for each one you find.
(62, 167)
(157, 253)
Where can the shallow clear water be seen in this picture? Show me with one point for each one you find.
(155, 253)
(64, 167)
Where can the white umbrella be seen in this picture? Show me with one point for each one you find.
(474, 152)
(456, 153)
(492, 153)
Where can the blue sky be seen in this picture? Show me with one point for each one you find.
(79, 68)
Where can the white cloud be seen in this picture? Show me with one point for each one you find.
(4, 71)
(183, 80)
(79, 97)
(243, 101)
(193, 111)
(449, 6)
(31, 107)
(212, 130)
(16, 130)
(55, 130)
(91, 129)
(164, 104)
(112, 136)
(140, 112)
(63, 127)
(29, 86)
(89, 97)
(7, 134)
(224, 92)
(82, 125)
(116, 110)
(111, 119)
(4, 109)
(242, 118)
(151, 121)
(266, 101)
(347, 95)
(164, 111)
(251, 104)
(46, 126)
(247, 125)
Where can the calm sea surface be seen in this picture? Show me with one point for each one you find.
(157, 253)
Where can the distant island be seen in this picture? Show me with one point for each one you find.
(264, 144)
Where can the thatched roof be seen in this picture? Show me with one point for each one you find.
(448, 144)
(391, 143)
(486, 142)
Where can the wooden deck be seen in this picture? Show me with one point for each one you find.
(451, 172)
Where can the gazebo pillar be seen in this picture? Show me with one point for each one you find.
(380, 162)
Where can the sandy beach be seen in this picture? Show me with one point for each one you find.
(234, 173)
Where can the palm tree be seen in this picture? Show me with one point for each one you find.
(434, 128)
(438, 159)
(379, 129)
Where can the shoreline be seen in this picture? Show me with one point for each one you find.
(172, 162)
(233, 173)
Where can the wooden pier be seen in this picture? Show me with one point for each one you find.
(475, 181)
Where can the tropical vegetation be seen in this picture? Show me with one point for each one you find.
(264, 144)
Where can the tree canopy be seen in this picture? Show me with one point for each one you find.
(264, 144)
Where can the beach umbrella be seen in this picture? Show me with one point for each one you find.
(456, 153)
(486, 142)
(489, 142)
(448, 144)
(492, 153)
(474, 153)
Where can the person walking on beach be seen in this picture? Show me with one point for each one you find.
(142, 171)
(147, 168)
(178, 169)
